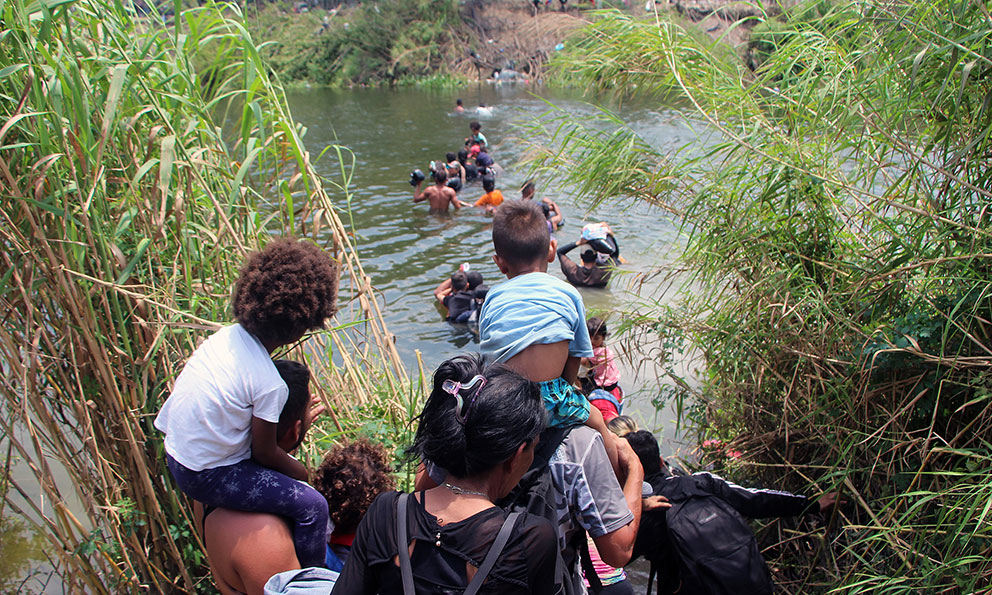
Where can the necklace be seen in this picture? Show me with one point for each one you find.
(463, 492)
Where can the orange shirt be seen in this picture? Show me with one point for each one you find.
(493, 198)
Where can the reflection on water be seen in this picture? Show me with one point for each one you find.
(408, 251)
(22, 551)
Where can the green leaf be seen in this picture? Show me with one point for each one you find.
(139, 252)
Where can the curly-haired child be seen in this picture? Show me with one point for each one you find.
(220, 420)
(350, 478)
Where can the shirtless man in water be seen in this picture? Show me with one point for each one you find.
(439, 195)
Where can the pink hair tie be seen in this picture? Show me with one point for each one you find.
(454, 388)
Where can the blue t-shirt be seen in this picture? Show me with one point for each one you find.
(533, 309)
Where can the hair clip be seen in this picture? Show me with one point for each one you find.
(454, 388)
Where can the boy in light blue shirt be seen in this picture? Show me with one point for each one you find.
(535, 323)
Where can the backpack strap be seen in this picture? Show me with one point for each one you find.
(403, 545)
(551, 439)
(494, 551)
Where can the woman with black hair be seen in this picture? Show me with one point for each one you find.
(481, 425)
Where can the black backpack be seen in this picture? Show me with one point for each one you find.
(535, 492)
(714, 547)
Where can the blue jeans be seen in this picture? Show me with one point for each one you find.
(250, 487)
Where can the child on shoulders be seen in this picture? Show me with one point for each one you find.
(535, 323)
(220, 422)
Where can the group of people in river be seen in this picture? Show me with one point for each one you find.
(520, 472)
(599, 258)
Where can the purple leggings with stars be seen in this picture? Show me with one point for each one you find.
(250, 487)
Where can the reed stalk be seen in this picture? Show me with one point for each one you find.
(141, 158)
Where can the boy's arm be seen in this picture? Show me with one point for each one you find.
(454, 200)
(267, 453)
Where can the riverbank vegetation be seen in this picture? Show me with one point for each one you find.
(139, 163)
(837, 268)
(366, 44)
(445, 43)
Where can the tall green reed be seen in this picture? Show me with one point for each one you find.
(128, 207)
(836, 267)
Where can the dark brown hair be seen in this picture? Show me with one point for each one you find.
(285, 290)
(350, 477)
(520, 232)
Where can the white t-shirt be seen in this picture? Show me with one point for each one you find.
(229, 379)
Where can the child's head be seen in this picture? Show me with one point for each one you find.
(462, 156)
(474, 279)
(622, 425)
(488, 183)
(440, 176)
(480, 293)
(477, 417)
(459, 281)
(294, 420)
(458, 102)
(285, 290)
(475, 127)
(520, 236)
(597, 328)
(646, 446)
(450, 157)
(527, 190)
(350, 477)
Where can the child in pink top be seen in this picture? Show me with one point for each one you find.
(605, 373)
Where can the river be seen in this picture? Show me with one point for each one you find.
(407, 251)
